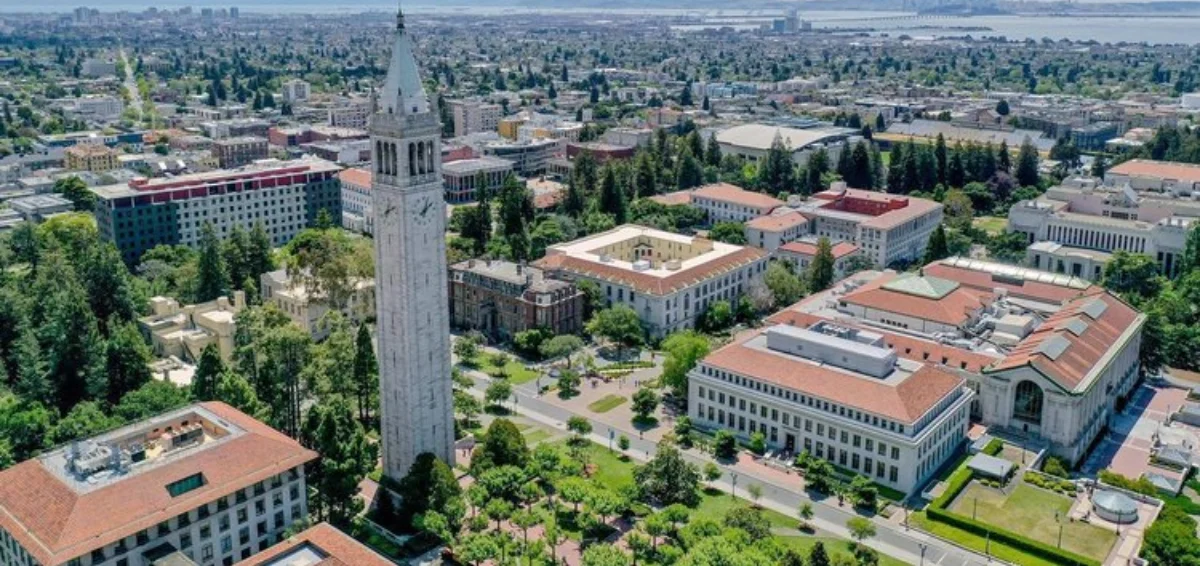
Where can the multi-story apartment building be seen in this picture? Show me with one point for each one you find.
(284, 196)
(98, 108)
(777, 229)
(888, 229)
(502, 298)
(239, 151)
(357, 213)
(1144, 207)
(528, 157)
(838, 393)
(93, 157)
(204, 482)
(296, 90)
(236, 127)
(1048, 355)
(472, 116)
(802, 252)
(668, 279)
(463, 178)
(350, 113)
(307, 309)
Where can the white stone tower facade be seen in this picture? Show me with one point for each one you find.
(412, 312)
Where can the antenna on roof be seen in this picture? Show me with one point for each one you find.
(399, 17)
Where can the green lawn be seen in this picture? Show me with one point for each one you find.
(977, 542)
(1031, 511)
(516, 372)
(994, 225)
(833, 547)
(606, 403)
(535, 436)
(614, 473)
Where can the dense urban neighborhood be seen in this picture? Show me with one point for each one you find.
(595, 288)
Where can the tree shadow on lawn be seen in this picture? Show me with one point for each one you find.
(645, 424)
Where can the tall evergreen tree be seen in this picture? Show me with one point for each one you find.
(236, 248)
(940, 155)
(75, 350)
(956, 174)
(645, 182)
(1027, 165)
(1003, 157)
(366, 372)
(110, 291)
(212, 277)
(612, 196)
(937, 247)
(859, 173)
(31, 383)
(895, 172)
(777, 174)
(712, 153)
(820, 272)
(346, 456)
(688, 173)
(574, 202)
(128, 360)
(208, 374)
(1099, 165)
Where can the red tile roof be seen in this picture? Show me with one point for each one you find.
(777, 222)
(646, 283)
(672, 199)
(726, 192)
(953, 309)
(904, 402)
(1084, 351)
(1185, 172)
(54, 523)
(355, 176)
(839, 250)
(905, 346)
(339, 548)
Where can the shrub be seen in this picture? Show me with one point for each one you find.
(1140, 485)
(994, 447)
(1054, 467)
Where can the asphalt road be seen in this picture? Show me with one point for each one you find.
(906, 545)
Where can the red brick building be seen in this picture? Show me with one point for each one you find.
(501, 298)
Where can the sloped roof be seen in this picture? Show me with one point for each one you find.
(339, 549)
(801, 247)
(55, 523)
(646, 283)
(918, 297)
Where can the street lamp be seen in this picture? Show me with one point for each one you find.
(733, 489)
(1058, 519)
(923, 548)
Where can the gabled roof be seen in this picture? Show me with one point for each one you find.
(1068, 352)
(734, 194)
(777, 222)
(336, 547)
(55, 523)
(650, 284)
(911, 295)
(809, 249)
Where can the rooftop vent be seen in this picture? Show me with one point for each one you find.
(673, 265)
(641, 265)
(1053, 347)
(1076, 325)
(1095, 308)
(838, 351)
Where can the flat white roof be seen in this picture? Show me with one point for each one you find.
(589, 249)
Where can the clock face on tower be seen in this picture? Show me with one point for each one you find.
(423, 210)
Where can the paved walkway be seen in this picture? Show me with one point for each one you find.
(782, 494)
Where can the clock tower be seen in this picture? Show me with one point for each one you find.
(412, 316)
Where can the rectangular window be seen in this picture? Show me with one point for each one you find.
(177, 488)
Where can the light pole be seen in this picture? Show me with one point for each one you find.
(733, 489)
(923, 548)
(1058, 519)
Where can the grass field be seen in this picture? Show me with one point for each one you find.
(1031, 512)
(606, 403)
(612, 472)
(991, 224)
(535, 436)
(516, 372)
(833, 547)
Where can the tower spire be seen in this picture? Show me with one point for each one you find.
(399, 17)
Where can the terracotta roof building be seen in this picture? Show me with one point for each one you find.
(319, 545)
(802, 252)
(887, 228)
(839, 393)
(668, 279)
(204, 481)
(1048, 355)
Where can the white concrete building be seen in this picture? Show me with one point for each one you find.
(296, 90)
(204, 482)
(463, 178)
(308, 310)
(838, 393)
(1048, 355)
(472, 116)
(752, 141)
(886, 228)
(349, 113)
(1143, 207)
(774, 230)
(668, 279)
(413, 324)
(357, 212)
(98, 108)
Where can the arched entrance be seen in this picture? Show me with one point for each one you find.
(1028, 403)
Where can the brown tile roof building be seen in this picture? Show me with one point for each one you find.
(334, 547)
(1185, 172)
(839, 250)
(56, 518)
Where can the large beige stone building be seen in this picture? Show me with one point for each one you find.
(307, 310)
(93, 157)
(184, 331)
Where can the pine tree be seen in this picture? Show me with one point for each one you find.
(937, 248)
(31, 382)
(128, 360)
(820, 272)
(612, 196)
(939, 153)
(777, 174)
(574, 203)
(880, 124)
(208, 374)
(366, 371)
(860, 167)
(645, 180)
(212, 278)
(75, 349)
(236, 249)
(956, 174)
(346, 457)
(1003, 157)
(685, 97)
(1099, 165)
(1027, 165)
(895, 172)
(712, 154)
(688, 173)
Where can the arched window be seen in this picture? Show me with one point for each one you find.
(1027, 405)
(412, 160)
(421, 158)
(378, 156)
(429, 156)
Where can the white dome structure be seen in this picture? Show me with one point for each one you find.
(1115, 506)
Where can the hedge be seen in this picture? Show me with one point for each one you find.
(994, 447)
(955, 485)
(1042, 550)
